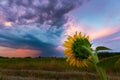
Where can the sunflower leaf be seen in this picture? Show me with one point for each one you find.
(102, 48)
(108, 62)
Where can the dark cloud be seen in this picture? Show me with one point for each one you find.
(35, 23)
(51, 12)
(28, 41)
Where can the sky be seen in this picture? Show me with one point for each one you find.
(32, 28)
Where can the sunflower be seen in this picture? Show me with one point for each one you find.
(76, 54)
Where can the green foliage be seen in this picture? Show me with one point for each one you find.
(103, 55)
(108, 62)
(47, 69)
(102, 48)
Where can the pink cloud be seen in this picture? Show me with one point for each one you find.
(113, 39)
(103, 32)
(72, 26)
(116, 38)
(10, 52)
(3, 20)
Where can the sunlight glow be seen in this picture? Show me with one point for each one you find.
(8, 24)
(11, 52)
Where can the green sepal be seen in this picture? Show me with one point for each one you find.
(108, 63)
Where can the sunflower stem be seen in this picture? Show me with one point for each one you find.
(101, 72)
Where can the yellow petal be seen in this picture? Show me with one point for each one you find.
(67, 45)
(81, 64)
(75, 36)
(68, 51)
(77, 63)
(80, 35)
(68, 59)
(70, 38)
(85, 63)
(88, 37)
(72, 62)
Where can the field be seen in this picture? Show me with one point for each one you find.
(49, 69)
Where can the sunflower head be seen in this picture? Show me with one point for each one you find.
(75, 51)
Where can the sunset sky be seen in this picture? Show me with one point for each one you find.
(39, 27)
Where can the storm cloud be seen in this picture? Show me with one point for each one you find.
(50, 12)
(34, 38)
(35, 24)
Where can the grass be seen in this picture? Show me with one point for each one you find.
(49, 69)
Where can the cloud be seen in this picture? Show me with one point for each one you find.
(116, 38)
(50, 12)
(111, 41)
(105, 31)
(37, 38)
(73, 25)
(106, 36)
(11, 52)
(34, 24)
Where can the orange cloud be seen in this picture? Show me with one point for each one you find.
(10, 52)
